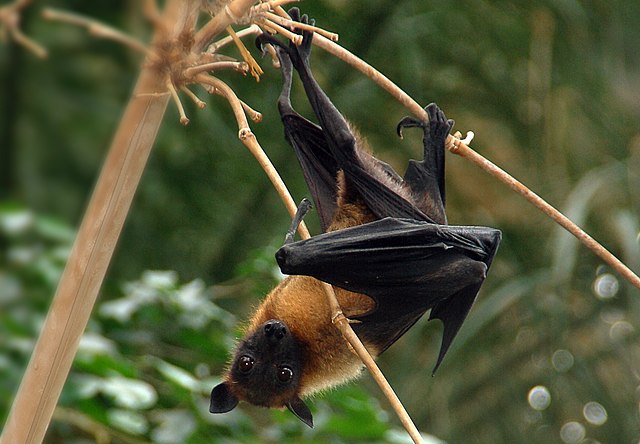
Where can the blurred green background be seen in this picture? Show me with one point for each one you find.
(550, 351)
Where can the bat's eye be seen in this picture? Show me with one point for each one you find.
(285, 374)
(245, 363)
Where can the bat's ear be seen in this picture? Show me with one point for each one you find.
(300, 409)
(222, 400)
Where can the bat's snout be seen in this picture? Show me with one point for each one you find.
(275, 330)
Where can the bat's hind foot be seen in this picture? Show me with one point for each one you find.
(439, 126)
(299, 54)
(436, 129)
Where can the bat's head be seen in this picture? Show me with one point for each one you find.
(265, 371)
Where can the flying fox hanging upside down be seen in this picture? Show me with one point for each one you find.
(386, 248)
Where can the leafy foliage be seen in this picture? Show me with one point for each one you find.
(550, 351)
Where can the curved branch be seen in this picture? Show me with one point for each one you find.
(10, 18)
(95, 28)
(236, 105)
(456, 146)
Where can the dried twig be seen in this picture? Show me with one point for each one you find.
(251, 30)
(241, 67)
(275, 28)
(95, 28)
(299, 25)
(10, 26)
(174, 95)
(457, 146)
(199, 103)
(236, 105)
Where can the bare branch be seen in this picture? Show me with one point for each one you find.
(176, 100)
(236, 105)
(299, 25)
(95, 28)
(241, 67)
(199, 103)
(275, 28)
(254, 115)
(10, 26)
(251, 30)
(456, 146)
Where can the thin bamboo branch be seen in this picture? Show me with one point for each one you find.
(241, 67)
(184, 120)
(195, 99)
(457, 147)
(274, 27)
(299, 25)
(236, 105)
(95, 28)
(81, 280)
(232, 12)
(254, 115)
(10, 16)
(215, 46)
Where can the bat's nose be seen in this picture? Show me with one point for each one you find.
(275, 330)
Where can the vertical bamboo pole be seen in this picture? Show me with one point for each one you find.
(97, 237)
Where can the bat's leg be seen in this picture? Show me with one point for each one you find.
(286, 67)
(303, 209)
(331, 120)
(426, 178)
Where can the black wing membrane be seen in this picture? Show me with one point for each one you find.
(318, 165)
(323, 150)
(310, 145)
(406, 266)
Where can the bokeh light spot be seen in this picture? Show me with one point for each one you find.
(539, 397)
(594, 413)
(572, 432)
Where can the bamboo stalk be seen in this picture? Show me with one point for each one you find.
(81, 280)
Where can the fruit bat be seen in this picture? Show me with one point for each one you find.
(386, 248)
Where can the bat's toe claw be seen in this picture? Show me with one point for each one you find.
(267, 39)
(408, 122)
